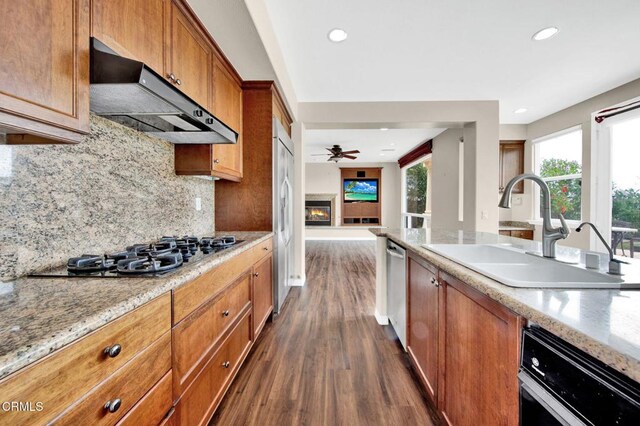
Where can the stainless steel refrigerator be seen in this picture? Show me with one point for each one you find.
(282, 214)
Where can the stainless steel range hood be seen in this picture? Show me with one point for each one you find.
(132, 94)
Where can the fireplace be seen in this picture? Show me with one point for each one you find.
(317, 213)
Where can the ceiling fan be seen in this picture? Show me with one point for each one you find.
(338, 154)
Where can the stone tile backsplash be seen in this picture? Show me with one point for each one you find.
(115, 188)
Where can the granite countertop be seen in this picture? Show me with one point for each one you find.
(40, 315)
(603, 323)
(515, 226)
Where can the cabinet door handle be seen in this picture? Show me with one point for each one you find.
(256, 274)
(435, 282)
(171, 77)
(113, 351)
(265, 248)
(225, 313)
(226, 364)
(113, 405)
(216, 161)
(178, 81)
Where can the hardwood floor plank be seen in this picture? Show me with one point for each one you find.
(325, 360)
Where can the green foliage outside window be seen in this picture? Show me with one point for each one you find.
(626, 207)
(565, 194)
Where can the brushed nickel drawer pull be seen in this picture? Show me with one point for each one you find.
(178, 82)
(171, 77)
(226, 364)
(113, 406)
(265, 248)
(225, 313)
(216, 161)
(113, 351)
(256, 274)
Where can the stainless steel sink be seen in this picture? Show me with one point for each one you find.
(516, 268)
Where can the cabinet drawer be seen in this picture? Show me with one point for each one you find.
(68, 374)
(151, 409)
(263, 248)
(195, 338)
(199, 402)
(190, 296)
(127, 385)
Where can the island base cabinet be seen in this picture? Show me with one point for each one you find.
(479, 351)
(198, 403)
(423, 322)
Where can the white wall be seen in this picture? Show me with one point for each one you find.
(445, 179)
(324, 178)
(579, 114)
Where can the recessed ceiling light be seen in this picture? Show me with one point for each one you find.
(384, 129)
(545, 33)
(382, 153)
(392, 144)
(520, 110)
(337, 35)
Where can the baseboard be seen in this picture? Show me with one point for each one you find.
(298, 282)
(382, 319)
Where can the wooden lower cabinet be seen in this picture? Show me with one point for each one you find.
(151, 409)
(72, 373)
(423, 324)
(124, 388)
(480, 341)
(262, 293)
(525, 234)
(195, 339)
(198, 403)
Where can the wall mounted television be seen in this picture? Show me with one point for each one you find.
(360, 190)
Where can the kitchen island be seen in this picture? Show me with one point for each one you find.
(603, 323)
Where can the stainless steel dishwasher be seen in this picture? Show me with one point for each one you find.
(397, 291)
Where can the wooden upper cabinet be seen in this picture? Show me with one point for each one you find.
(227, 106)
(132, 28)
(423, 321)
(44, 77)
(479, 341)
(224, 161)
(188, 59)
(511, 164)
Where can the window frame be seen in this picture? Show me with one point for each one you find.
(536, 143)
(404, 215)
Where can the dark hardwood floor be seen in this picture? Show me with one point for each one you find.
(325, 360)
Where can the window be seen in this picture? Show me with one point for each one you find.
(558, 160)
(417, 205)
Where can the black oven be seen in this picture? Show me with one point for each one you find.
(561, 385)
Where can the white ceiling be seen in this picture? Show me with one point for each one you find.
(425, 50)
(370, 143)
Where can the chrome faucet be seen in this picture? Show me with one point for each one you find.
(550, 235)
(615, 265)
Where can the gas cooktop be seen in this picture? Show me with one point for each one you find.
(143, 260)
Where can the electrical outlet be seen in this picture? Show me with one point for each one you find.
(517, 201)
(198, 204)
